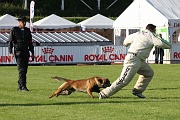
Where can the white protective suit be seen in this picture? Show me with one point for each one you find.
(141, 43)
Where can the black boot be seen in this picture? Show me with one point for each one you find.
(19, 87)
(24, 88)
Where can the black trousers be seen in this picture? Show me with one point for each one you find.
(157, 58)
(159, 52)
(22, 64)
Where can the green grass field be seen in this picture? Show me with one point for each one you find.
(162, 102)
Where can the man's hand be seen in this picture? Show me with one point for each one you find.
(12, 56)
(32, 56)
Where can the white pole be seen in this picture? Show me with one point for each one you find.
(25, 4)
(62, 4)
(99, 4)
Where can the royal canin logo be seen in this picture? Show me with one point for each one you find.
(107, 49)
(48, 50)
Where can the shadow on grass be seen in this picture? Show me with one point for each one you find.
(104, 101)
(66, 103)
(156, 88)
(163, 88)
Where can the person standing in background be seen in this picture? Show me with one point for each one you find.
(159, 52)
(21, 39)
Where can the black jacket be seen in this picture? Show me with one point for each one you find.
(21, 40)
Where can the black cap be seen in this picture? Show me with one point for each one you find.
(21, 18)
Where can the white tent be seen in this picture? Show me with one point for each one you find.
(53, 22)
(97, 22)
(8, 22)
(162, 13)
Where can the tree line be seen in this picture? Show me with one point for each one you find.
(72, 8)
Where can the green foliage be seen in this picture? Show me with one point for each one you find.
(15, 10)
(76, 19)
(162, 102)
(72, 8)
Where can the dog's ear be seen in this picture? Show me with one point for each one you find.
(108, 81)
(99, 81)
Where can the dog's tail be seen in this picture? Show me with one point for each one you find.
(59, 78)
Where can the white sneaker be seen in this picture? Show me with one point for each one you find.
(102, 95)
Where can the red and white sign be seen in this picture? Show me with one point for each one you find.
(71, 54)
(31, 14)
(175, 52)
(81, 54)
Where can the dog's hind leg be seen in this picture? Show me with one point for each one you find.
(52, 95)
(64, 86)
(56, 93)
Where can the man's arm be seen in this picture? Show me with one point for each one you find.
(31, 48)
(160, 42)
(30, 45)
(129, 39)
(10, 44)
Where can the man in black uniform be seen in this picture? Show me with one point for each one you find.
(21, 39)
(159, 52)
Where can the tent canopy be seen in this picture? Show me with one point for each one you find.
(97, 22)
(8, 22)
(142, 12)
(53, 22)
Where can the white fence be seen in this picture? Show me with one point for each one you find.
(82, 54)
(71, 54)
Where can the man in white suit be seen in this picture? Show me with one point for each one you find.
(141, 43)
